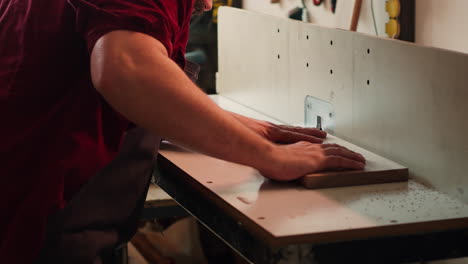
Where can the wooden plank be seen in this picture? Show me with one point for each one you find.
(353, 178)
(402, 101)
(377, 170)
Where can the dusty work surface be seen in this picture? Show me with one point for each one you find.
(288, 213)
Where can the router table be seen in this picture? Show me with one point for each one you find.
(399, 100)
(269, 222)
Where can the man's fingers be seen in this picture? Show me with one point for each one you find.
(327, 146)
(288, 137)
(342, 152)
(305, 130)
(324, 146)
(342, 163)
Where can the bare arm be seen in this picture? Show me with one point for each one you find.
(134, 74)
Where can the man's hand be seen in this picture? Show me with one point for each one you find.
(296, 160)
(280, 133)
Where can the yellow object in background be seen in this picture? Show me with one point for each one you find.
(392, 28)
(393, 8)
(216, 5)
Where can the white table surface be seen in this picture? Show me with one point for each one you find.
(288, 211)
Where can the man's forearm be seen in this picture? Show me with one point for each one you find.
(133, 73)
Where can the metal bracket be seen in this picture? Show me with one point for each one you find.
(319, 114)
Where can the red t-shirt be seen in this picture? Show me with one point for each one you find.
(56, 130)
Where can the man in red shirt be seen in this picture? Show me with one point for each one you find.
(73, 75)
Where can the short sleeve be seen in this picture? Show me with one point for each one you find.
(95, 18)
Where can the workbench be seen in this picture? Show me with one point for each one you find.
(402, 101)
(269, 222)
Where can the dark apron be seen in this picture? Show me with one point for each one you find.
(104, 214)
